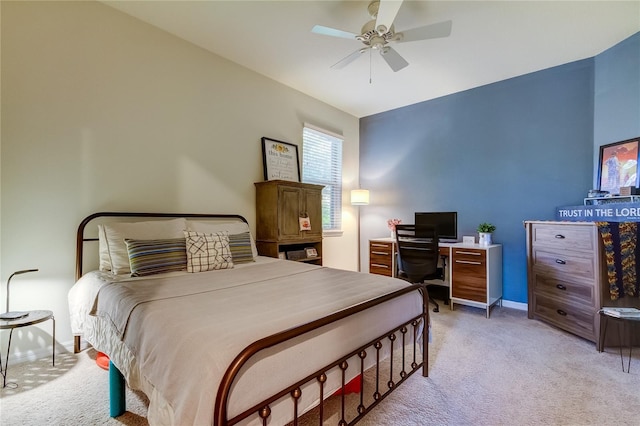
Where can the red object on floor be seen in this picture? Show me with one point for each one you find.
(102, 360)
(354, 386)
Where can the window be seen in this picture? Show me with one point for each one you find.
(322, 165)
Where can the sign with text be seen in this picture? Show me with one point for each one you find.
(613, 212)
(280, 160)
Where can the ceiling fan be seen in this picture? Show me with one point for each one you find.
(378, 33)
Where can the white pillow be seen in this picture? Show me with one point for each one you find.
(114, 256)
(211, 227)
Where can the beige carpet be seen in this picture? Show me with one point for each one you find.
(506, 370)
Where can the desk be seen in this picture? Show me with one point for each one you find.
(623, 323)
(33, 317)
(383, 256)
(474, 272)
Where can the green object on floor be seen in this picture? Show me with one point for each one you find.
(117, 404)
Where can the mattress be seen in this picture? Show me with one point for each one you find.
(174, 335)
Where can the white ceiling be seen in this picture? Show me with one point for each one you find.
(490, 41)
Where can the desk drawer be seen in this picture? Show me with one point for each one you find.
(381, 258)
(380, 248)
(469, 274)
(469, 255)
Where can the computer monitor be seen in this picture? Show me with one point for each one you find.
(446, 223)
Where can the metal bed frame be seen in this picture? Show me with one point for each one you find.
(408, 332)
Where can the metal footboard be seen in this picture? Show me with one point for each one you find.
(409, 363)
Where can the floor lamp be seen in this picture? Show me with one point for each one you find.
(359, 197)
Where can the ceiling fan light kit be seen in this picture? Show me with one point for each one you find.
(379, 32)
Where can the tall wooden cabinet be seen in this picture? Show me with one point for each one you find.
(567, 278)
(279, 207)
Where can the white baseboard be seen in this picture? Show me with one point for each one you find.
(515, 305)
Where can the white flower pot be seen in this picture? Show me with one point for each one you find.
(485, 238)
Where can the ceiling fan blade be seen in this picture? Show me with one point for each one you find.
(387, 12)
(319, 29)
(441, 29)
(352, 57)
(393, 58)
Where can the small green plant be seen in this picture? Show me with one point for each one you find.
(486, 227)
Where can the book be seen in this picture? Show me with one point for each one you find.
(14, 315)
(621, 312)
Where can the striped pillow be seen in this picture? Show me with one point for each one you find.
(147, 257)
(240, 245)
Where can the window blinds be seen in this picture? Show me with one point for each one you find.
(322, 165)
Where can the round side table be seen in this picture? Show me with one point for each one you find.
(32, 317)
(623, 331)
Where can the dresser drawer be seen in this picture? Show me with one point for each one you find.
(564, 289)
(567, 262)
(562, 237)
(575, 319)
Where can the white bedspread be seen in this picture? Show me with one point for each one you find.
(184, 330)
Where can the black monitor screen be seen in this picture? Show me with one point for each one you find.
(446, 223)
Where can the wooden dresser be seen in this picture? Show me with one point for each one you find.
(279, 207)
(567, 279)
(566, 275)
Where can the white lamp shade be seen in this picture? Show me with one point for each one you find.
(359, 197)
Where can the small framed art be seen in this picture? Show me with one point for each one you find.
(280, 160)
(618, 165)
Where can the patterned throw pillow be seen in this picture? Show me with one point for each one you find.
(208, 252)
(147, 257)
(240, 245)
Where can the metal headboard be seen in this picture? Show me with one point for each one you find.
(81, 239)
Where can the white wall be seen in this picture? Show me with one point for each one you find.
(101, 111)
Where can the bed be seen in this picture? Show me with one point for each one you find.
(258, 341)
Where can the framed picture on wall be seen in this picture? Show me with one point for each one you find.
(280, 160)
(618, 166)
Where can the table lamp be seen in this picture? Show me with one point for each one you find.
(14, 315)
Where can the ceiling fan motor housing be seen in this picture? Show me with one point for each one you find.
(371, 37)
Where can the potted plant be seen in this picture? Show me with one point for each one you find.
(484, 231)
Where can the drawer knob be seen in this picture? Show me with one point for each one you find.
(561, 287)
(560, 236)
(561, 312)
(560, 262)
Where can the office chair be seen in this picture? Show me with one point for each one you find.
(418, 256)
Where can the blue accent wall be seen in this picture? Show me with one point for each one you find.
(501, 153)
(617, 95)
